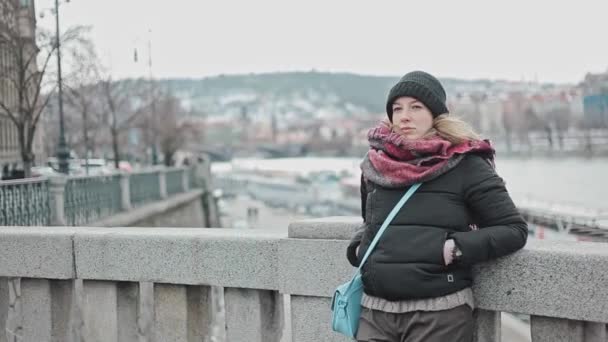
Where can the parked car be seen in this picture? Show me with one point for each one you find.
(95, 166)
(44, 171)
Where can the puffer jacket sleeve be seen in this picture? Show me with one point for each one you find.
(351, 250)
(502, 229)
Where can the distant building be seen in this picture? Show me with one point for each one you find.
(16, 16)
(483, 111)
(595, 100)
(9, 146)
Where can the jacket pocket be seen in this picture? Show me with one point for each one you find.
(412, 244)
(415, 281)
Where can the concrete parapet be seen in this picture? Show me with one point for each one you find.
(313, 267)
(221, 257)
(330, 228)
(142, 282)
(36, 252)
(253, 315)
(547, 279)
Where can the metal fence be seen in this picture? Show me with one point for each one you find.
(88, 199)
(144, 188)
(25, 203)
(191, 178)
(175, 181)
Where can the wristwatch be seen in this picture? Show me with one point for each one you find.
(456, 253)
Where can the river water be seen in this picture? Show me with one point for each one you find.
(575, 181)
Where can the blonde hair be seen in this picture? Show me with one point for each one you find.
(452, 129)
(449, 127)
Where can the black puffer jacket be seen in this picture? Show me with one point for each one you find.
(408, 261)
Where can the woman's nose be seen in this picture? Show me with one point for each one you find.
(405, 117)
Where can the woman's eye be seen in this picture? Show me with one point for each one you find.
(396, 109)
(417, 107)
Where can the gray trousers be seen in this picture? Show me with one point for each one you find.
(453, 325)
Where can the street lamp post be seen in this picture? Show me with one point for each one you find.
(63, 152)
(154, 148)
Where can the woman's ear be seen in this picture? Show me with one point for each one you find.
(387, 124)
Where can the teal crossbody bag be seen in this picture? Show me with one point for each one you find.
(346, 303)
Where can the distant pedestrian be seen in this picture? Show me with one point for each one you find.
(417, 281)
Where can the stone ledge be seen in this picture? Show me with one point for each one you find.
(553, 279)
(556, 279)
(42, 252)
(131, 217)
(193, 256)
(313, 268)
(331, 228)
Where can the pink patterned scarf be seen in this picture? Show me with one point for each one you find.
(394, 161)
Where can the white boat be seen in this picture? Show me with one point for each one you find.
(282, 192)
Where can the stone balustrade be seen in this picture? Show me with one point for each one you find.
(137, 284)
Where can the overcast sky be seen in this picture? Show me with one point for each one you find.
(553, 41)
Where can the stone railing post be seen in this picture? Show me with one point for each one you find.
(253, 315)
(310, 290)
(186, 179)
(202, 172)
(57, 190)
(125, 192)
(487, 326)
(202, 179)
(162, 182)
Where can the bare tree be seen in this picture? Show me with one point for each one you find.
(148, 123)
(27, 80)
(122, 105)
(559, 121)
(82, 101)
(173, 128)
(22, 78)
(83, 93)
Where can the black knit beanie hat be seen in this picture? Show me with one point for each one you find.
(421, 86)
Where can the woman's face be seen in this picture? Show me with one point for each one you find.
(411, 118)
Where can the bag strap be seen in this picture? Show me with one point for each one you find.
(388, 220)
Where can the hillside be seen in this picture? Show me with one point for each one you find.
(303, 94)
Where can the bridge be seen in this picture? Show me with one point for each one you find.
(155, 284)
(69, 273)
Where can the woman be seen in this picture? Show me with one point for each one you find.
(417, 282)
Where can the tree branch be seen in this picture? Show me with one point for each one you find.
(8, 112)
(41, 109)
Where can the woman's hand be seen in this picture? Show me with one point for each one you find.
(448, 248)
